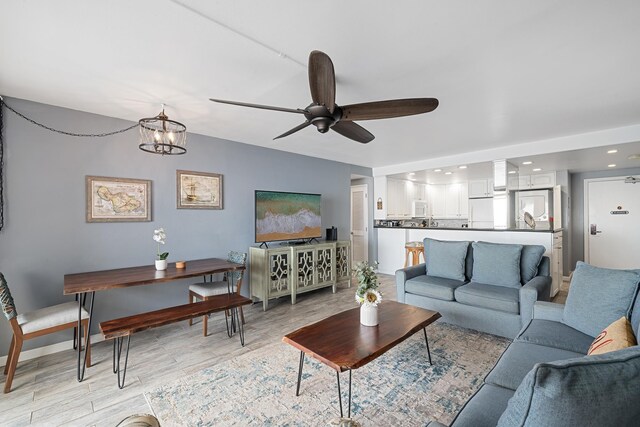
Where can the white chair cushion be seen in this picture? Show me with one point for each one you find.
(50, 316)
(210, 288)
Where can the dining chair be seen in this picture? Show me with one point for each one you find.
(35, 324)
(231, 282)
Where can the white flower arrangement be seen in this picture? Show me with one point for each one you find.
(367, 292)
(159, 236)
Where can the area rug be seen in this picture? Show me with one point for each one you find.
(399, 388)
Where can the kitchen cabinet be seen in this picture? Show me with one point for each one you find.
(437, 200)
(541, 180)
(480, 188)
(449, 201)
(400, 196)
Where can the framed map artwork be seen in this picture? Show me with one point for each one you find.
(118, 199)
(198, 190)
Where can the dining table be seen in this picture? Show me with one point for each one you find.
(87, 284)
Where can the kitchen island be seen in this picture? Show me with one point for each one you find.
(391, 241)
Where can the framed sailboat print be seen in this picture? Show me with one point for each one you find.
(198, 190)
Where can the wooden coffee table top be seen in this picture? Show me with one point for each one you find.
(342, 343)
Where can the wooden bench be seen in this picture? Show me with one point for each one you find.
(118, 329)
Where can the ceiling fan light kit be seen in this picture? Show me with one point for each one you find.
(160, 135)
(325, 114)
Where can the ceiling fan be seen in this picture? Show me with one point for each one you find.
(325, 114)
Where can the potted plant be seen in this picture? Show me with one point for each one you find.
(367, 294)
(159, 237)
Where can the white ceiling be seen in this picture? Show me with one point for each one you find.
(505, 72)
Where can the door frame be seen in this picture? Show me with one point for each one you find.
(585, 209)
(365, 217)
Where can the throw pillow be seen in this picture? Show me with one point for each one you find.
(635, 312)
(585, 391)
(598, 297)
(529, 261)
(616, 336)
(445, 258)
(496, 264)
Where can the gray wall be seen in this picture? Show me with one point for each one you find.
(46, 236)
(577, 214)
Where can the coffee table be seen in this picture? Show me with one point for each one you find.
(343, 344)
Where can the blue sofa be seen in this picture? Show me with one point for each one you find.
(489, 287)
(545, 378)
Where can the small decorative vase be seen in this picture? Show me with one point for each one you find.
(369, 315)
(161, 264)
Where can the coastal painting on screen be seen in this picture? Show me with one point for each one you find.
(287, 216)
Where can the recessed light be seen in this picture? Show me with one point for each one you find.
(527, 163)
(462, 167)
(634, 157)
(612, 165)
(437, 170)
(614, 151)
(448, 173)
(412, 173)
(512, 172)
(537, 169)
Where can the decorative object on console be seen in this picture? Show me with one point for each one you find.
(367, 294)
(332, 234)
(198, 190)
(159, 237)
(159, 135)
(181, 264)
(118, 199)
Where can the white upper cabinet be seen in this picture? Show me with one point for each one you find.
(540, 180)
(400, 196)
(480, 188)
(449, 201)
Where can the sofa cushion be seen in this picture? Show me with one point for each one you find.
(598, 297)
(600, 390)
(519, 358)
(497, 264)
(555, 334)
(484, 408)
(446, 259)
(434, 287)
(489, 296)
(616, 336)
(530, 258)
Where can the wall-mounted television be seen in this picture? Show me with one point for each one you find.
(287, 216)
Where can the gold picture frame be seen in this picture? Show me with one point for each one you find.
(198, 190)
(112, 199)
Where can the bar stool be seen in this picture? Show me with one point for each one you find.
(414, 249)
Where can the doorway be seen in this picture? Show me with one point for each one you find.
(359, 227)
(612, 222)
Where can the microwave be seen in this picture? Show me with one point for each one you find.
(419, 209)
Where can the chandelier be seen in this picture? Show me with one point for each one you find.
(159, 135)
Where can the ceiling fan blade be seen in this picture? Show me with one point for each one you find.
(263, 107)
(322, 80)
(353, 131)
(294, 130)
(388, 109)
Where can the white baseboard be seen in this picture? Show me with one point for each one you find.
(49, 349)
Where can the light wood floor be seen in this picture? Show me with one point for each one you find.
(45, 391)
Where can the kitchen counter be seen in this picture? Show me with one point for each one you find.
(525, 230)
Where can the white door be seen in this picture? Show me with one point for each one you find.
(612, 223)
(359, 221)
